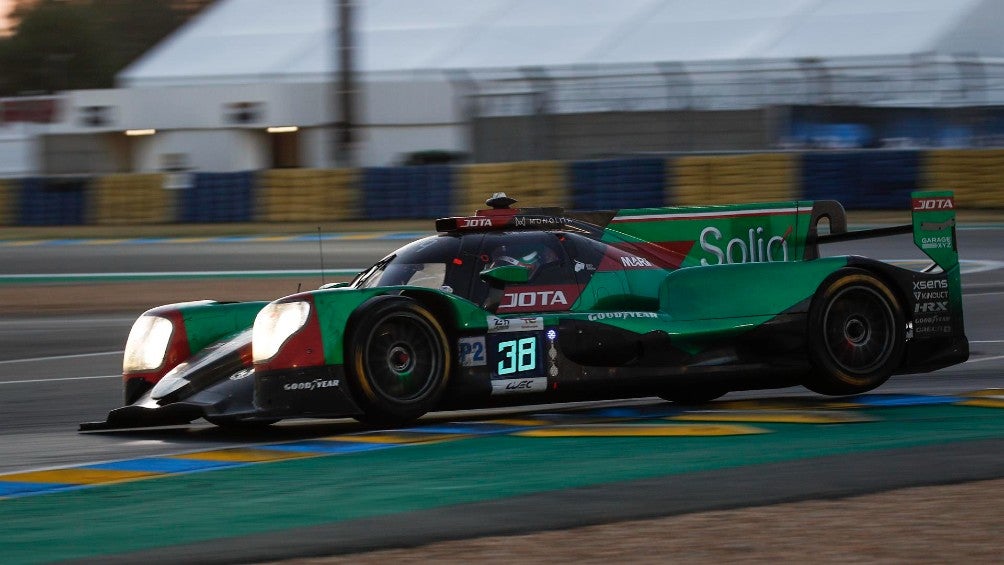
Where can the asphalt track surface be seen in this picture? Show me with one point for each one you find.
(57, 371)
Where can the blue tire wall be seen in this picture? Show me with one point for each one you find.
(390, 193)
(618, 183)
(218, 197)
(47, 201)
(862, 180)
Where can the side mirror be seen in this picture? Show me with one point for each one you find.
(506, 274)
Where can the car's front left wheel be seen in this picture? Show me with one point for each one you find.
(398, 360)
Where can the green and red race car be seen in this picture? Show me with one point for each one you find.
(520, 306)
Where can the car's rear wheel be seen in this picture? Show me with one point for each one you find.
(398, 359)
(856, 334)
(693, 395)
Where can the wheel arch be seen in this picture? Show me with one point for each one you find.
(896, 278)
(361, 390)
(885, 276)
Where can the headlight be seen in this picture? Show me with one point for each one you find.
(274, 325)
(147, 344)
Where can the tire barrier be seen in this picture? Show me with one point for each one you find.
(875, 179)
(862, 180)
(7, 203)
(727, 179)
(416, 192)
(52, 201)
(124, 199)
(308, 195)
(217, 197)
(618, 183)
(976, 176)
(533, 183)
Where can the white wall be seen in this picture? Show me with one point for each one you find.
(399, 117)
(18, 150)
(386, 146)
(202, 150)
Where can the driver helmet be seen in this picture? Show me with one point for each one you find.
(529, 260)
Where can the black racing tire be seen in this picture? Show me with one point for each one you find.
(693, 395)
(856, 334)
(397, 359)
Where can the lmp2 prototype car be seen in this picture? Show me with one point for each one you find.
(541, 305)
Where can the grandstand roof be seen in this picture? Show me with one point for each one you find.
(240, 41)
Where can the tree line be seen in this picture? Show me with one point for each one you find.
(59, 45)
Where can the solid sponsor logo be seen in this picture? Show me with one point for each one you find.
(472, 351)
(930, 290)
(241, 374)
(538, 298)
(758, 247)
(519, 386)
(532, 299)
(526, 221)
(937, 226)
(630, 261)
(929, 307)
(936, 242)
(925, 204)
(580, 266)
(476, 223)
(620, 316)
(311, 385)
(499, 325)
(932, 325)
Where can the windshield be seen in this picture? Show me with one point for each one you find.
(423, 263)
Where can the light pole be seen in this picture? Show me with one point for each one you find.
(345, 85)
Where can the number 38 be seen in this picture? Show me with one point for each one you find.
(518, 355)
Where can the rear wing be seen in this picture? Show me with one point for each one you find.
(933, 228)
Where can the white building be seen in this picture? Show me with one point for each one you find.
(205, 97)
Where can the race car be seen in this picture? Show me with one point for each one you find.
(535, 305)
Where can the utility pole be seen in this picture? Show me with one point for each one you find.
(345, 89)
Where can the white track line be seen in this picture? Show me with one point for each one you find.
(55, 357)
(982, 359)
(28, 381)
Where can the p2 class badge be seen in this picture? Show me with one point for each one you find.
(472, 351)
